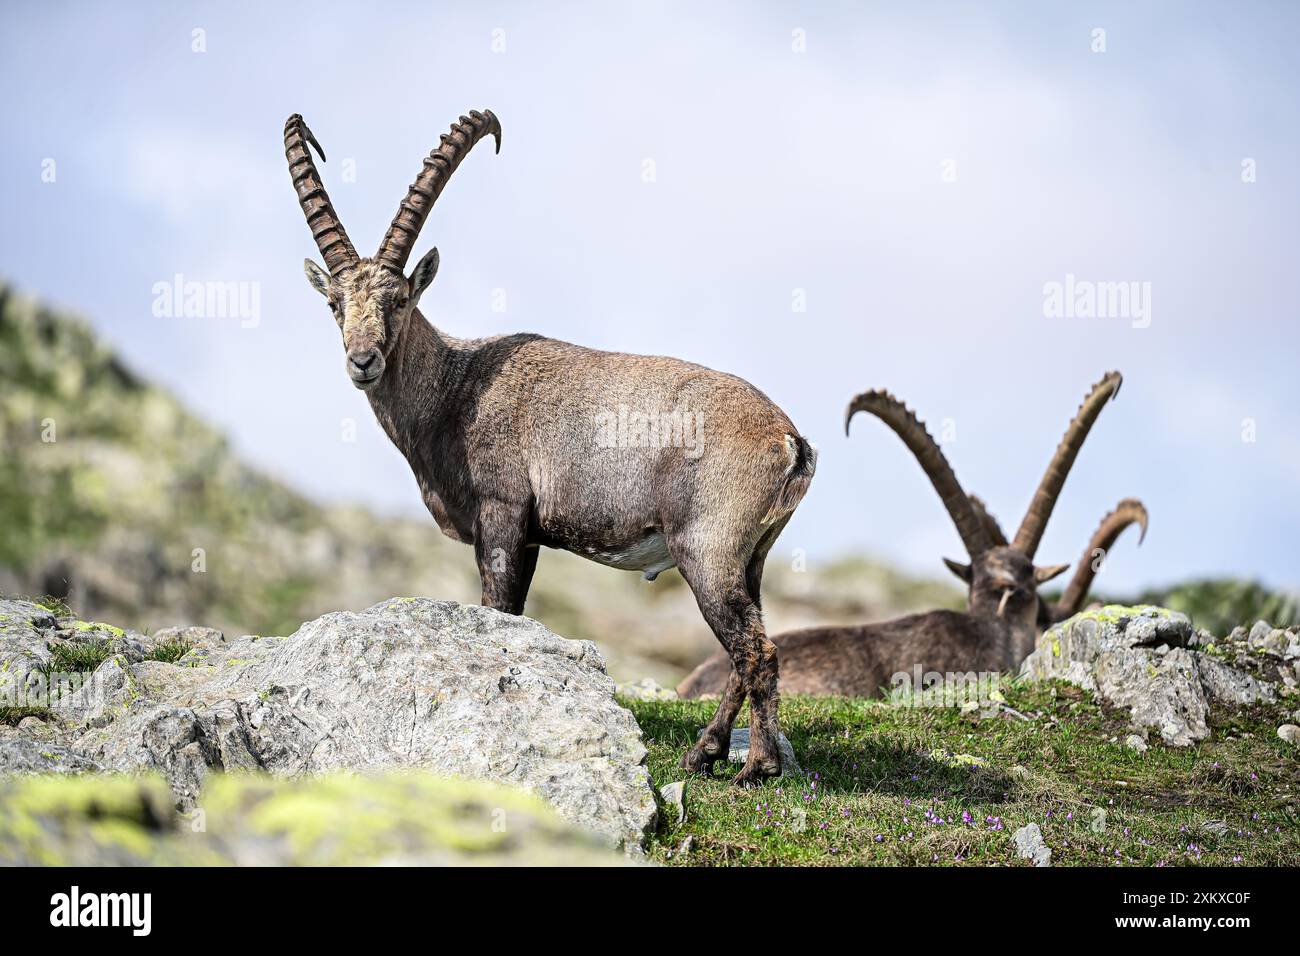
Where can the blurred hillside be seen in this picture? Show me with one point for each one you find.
(116, 499)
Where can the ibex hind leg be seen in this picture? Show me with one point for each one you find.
(723, 596)
(715, 740)
(764, 680)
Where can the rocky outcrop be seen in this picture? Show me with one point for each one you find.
(411, 683)
(395, 820)
(1151, 662)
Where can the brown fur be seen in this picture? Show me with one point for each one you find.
(1004, 613)
(508, 441)
(859, 660)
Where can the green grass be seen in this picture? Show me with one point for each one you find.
(79, 657)
(10, 715)
(169, 652)
(878, 790)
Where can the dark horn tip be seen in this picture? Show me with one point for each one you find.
(859, 404)
(855, 406)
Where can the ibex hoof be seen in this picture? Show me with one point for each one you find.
(696, 760)
(753, 774)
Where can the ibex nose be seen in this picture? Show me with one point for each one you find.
(365, 366)
(362, 361)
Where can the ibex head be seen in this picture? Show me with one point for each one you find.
(1002, 578)
(373, 299)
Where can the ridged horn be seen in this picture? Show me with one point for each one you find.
(423, 193)
(1130, 511)
(1040, 508)
(910, 428)
(331, 239)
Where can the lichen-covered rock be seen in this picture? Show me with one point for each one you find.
(26, 755)
(409, 683)
(46, 658)
(1149, 661)
(396, 819)
(1132, 658)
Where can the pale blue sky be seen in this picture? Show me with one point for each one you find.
(775, 171)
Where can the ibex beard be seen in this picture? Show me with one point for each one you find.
(504, 437)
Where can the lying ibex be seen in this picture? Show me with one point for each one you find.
(1005, 613)
(520, 441)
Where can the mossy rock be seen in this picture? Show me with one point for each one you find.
(251, 819)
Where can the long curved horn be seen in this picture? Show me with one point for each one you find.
(438, 167)
(326, 229)
(1040, 509)
(990, 523)
(909, 428)
(1128, 512)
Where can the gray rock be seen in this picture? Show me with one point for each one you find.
(1258, 632)
(1170, 701)
(1290, 733)
(674, 797)
(20, 755)
(647, 688)
(29, 636)
(193, 635)
(1030, 845)
(1229, 685)
(206, 644)
(1149, 661)
(409, 683)
(1135, 742)
(738, 751)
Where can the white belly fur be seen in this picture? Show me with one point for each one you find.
(649, 556)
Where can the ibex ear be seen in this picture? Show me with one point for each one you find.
(424, 272)
(1044, 574)
(318, 277)
(956, 567)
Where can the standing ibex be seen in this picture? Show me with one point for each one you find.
(519, 441)
(1005, 614)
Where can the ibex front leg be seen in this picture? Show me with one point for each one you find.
(505, 562)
